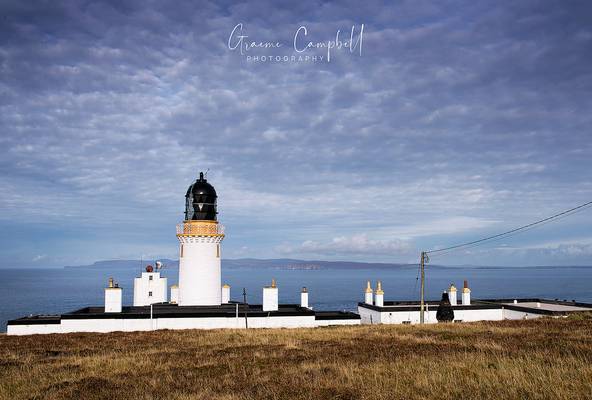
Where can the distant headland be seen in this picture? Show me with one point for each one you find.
(296, 264)
(277, 263)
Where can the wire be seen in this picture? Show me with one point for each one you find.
(416, 280)
(515, 230)
(515, 233)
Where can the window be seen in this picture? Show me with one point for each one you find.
(218, 251)
(150, 278)
(181, 250)
(149, 294)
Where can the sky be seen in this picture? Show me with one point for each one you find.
(443, 122)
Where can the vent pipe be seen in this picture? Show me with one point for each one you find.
(304, 298)
(174, 294)
(379, 295)
(226, 294)
(368, 295)
(452, 295)
(466, 294)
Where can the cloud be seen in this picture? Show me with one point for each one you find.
(273, 135)
(523, 168)
(352, 245)
(568, 248)
(453, 122)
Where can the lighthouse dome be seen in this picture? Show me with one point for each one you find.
(200, 200)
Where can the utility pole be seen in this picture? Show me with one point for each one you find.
(245, 305)
(151, 320)
(424, 260)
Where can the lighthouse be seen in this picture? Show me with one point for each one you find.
(200, 236)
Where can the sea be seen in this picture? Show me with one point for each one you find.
(59, 290)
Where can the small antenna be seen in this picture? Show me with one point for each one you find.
(206, 174)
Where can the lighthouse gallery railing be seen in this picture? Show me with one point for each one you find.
(200, 228)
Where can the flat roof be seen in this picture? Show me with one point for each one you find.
(531, 305)
(549, 306)
(329, 315)
(167, 310)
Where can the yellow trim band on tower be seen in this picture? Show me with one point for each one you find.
(368, 288)
(200, 234)
(200, 228)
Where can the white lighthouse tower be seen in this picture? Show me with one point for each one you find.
(200, 237)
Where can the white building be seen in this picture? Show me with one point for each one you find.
(408, 312)
(199, 301)
(150, 288)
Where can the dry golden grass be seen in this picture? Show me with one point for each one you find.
(537, 359)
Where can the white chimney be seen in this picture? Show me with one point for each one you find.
(225, 294)
(466, 294)
(368, 296)
(270, 297)
(112, 297)
(379, 296)
(174, 294)
(304, 298)
(452, 295)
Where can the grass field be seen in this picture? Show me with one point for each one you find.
(536, 359)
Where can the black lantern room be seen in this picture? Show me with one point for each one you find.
(200, 201)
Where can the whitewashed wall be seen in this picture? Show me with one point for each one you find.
(331, 322)
(33, 329)
(478, 315)
(370, 316)
(127, 325)
(512, 314)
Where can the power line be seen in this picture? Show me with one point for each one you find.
(515, 230)
(509, 235)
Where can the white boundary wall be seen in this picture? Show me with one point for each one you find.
(33, 329)
(332, 322)
(368, 316)
(129, 325)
